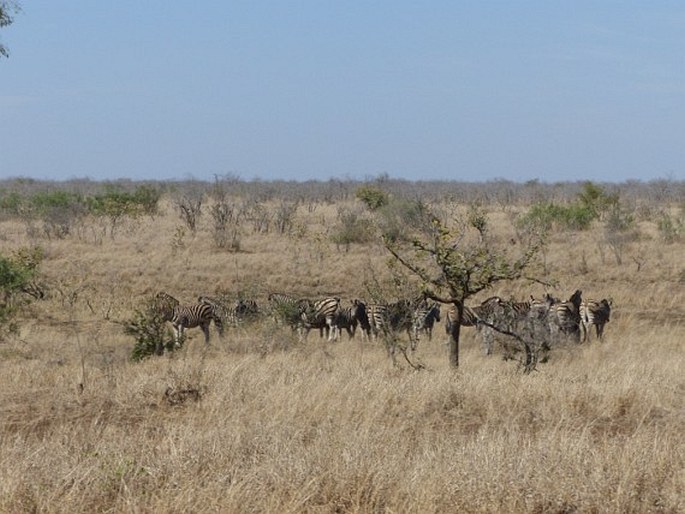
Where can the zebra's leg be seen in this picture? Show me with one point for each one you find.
(178, 335)
(413, 338)
(583, 332)
(303, 333)
(219, 326)
(487, 335)
(205, 331)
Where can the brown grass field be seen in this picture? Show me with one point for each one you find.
(261, 422)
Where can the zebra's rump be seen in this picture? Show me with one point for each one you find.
(593, 311)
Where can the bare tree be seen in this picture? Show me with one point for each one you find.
(454, 263)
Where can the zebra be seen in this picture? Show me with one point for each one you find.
(391, 318)
(287, 309)
(246, 308)
(425, 317)
(235, 314)
(473, 317)
(226, 314)
(356, 315)
(181, 317)
(320, 314)
(564, 317)
(597, 313)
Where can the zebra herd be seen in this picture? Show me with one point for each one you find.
(547, 319)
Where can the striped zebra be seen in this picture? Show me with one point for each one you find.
(533, 308)
(220, 309)
(425, 317)
(287, 309)
(232, 313)
(389, 318)
(353, 316)
(187, 316)
(244, 309)
(564, 318)
(597, 313)
(321, 314)
(472, 317)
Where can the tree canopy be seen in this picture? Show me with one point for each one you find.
(7, 11)
(458, 260)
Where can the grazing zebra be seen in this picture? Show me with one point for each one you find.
(425, 317)
(356, 315)
(226, 314)
(320, 314)
(246, 308)
(564, 317)
(233, 314)
(287, 309)
(597, 313)
(187, 316)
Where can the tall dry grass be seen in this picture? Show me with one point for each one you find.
(259, 422)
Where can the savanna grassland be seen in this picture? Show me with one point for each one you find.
(259, 421)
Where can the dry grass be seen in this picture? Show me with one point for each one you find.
(258, 422)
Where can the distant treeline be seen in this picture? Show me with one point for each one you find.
(501, 191)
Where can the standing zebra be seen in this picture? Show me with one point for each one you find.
(356, 315)
(181, 317)
(473, 317)
(597, 313)
(564, 317)
(391, 318)
(425, 317)
(321, 314)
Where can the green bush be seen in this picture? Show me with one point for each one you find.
(150, 331)
(594, 199)
(670, 229)
(577, 217)
(11, 203)
(117, 203)
(17, 276)
(547, 216)
(372, 197)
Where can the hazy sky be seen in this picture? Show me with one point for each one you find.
(302, 89)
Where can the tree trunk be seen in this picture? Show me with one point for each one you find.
(455, 331)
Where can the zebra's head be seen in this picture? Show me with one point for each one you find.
(164, 304)
(576, 299)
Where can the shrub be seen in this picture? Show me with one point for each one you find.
(372, 197)
(352, 228)
(150, 331)
(670, 229)
(549, 215)
(17, 286)
(58, 210)
(401, 218)
(11, 204)
(595, 200)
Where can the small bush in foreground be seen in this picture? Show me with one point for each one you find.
(151, 333)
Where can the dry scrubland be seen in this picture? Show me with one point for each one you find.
(259, 422)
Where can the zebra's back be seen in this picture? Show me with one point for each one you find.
(597, 313)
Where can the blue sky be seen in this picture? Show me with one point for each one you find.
(470, 90)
